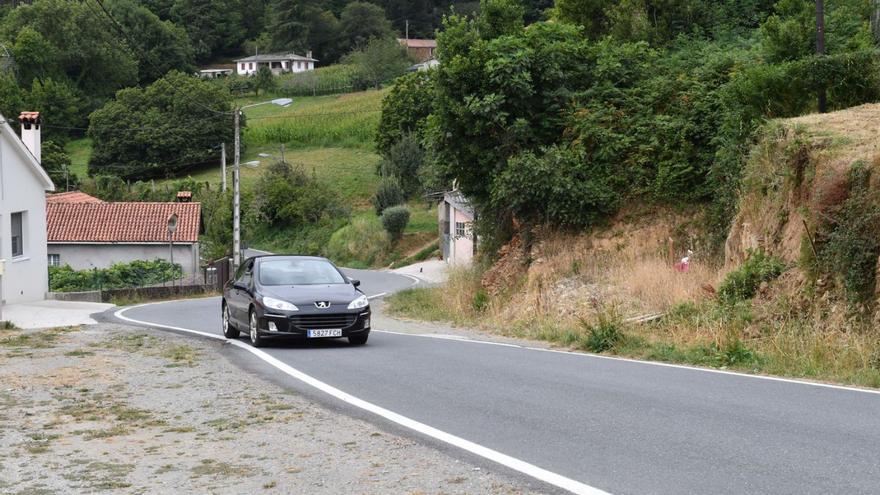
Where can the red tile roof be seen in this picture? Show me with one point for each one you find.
(121, 222)
(72, 197)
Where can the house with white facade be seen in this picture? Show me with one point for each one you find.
(278, 63)
(456, 219)
(23, 187)
(85, 232)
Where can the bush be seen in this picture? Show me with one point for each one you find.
(743, 283)
(603, 335)
(403, 160)
(389, 194)
(289, 197)
(394, 220)
(852, 246)
(118, 276)
(363, 243)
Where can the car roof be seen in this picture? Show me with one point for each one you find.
(290, 256)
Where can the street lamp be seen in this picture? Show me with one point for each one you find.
(172, 227)
(236, 182)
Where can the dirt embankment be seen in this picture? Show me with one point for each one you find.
(116, 409)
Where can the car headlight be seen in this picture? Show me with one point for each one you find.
(272, 303)
(360, 302)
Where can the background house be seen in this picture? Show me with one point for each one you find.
(456, 219)
(419, 50)
(279, 63)
(88, 233)
(23, 186)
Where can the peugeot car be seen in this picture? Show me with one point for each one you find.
(302, 297)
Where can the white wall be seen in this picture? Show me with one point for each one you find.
(249, 68)
(463, 247)
(26, 278)
(88, 256)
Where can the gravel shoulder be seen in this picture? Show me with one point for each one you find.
(117, 408)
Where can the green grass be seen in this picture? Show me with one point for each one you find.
(347, 120)
(80, 151)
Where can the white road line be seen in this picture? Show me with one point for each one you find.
(377, 295)
(523, 467)
(636, 361)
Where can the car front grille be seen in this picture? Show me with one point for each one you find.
(318, 322)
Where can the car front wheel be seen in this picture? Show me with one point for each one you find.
(256, 339)
(229, 331)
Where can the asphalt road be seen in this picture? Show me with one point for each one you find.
(620, 426)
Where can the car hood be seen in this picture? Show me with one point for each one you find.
(305, 296)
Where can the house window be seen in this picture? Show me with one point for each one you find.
(299, 65)
(242, 66)
(252, 66)
(17, 237)
(460, 230)
(54, 260)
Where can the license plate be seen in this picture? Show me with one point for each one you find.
(333, 332)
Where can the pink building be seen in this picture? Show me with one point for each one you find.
(457, 239)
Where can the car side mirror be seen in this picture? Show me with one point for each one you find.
(356, 283)
(239, 286)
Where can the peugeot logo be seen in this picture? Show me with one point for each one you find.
(322, 304)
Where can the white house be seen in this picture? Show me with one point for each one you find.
(457, 239)
(279, 63)
(23, 187)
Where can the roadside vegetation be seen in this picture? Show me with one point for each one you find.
(794, 295)
(118, 276)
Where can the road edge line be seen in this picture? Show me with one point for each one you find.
(505, 460)
(638, 361)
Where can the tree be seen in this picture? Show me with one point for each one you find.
(215, 27)
(82, 46)
(405, 109)
(361, 22)
(379, 61)
(264, 80)
(591, 14)
(403, 161)
(35, 57)
(159, 46)
(171, 125)
(56, 163)
(60, 105)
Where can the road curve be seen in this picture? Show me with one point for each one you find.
(620, 426)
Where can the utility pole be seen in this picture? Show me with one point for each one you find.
(875, 20)
(407, 33)
(820, 49)
(223, 166)
(282, 153)
(236, 194)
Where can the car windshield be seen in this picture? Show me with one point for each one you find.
(299, 272)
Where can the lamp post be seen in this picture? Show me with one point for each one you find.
(172, 227)
(236, 182)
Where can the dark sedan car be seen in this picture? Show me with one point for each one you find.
(302, 297)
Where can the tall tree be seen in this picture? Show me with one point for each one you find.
(84, 44)
(215, 27)
(362, 21)
(160, 46)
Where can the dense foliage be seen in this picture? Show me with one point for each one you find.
(743, 283)
(118, 276)
(166, 128)
(561, 122)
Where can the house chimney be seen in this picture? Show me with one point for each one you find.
(309, 54)
(184, 196)
(30, 132)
